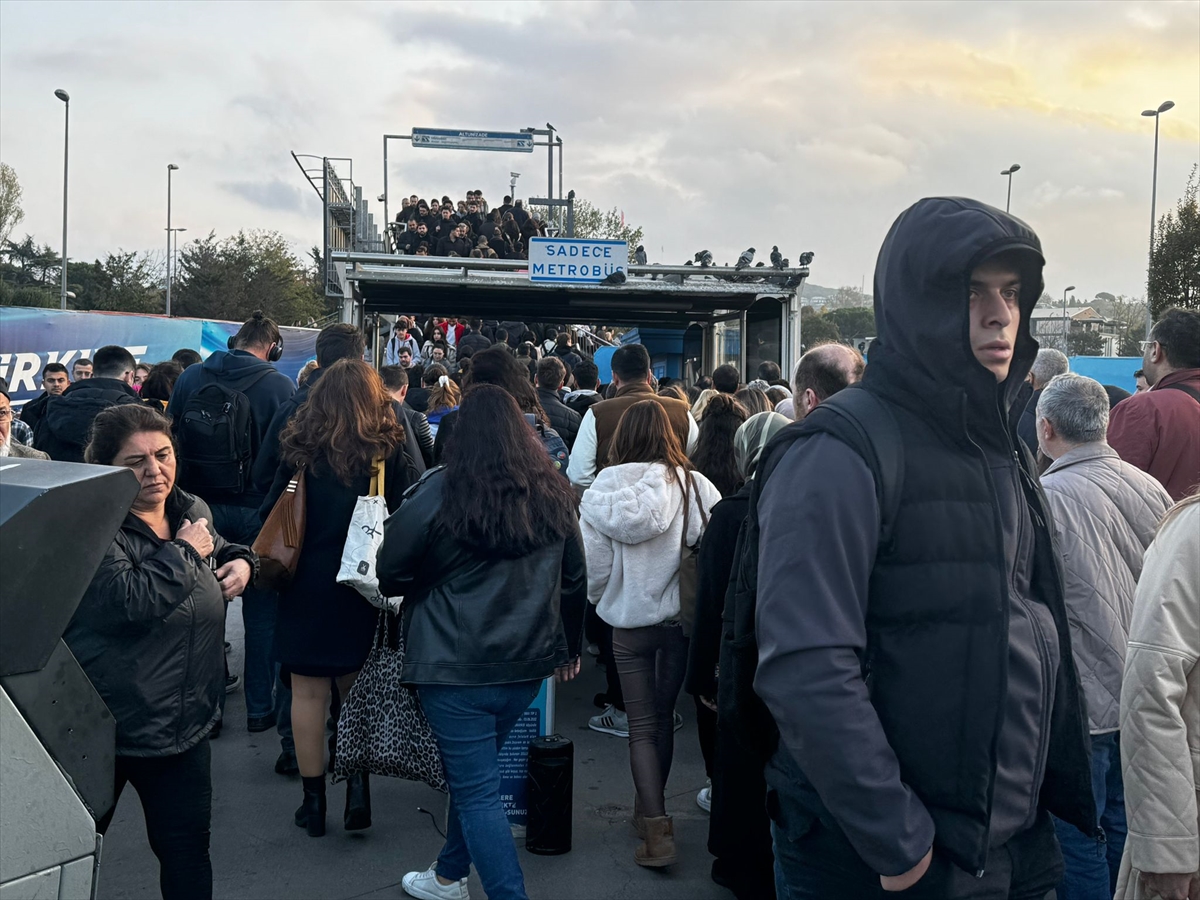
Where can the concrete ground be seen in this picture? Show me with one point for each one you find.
(257, 852)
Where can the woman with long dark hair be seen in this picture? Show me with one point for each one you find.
(636, 518)
(487, 554)
(324, 630)
(713, 456)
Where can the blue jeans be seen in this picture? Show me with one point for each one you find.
(471, 723)
(1092, 865)
(240, 525)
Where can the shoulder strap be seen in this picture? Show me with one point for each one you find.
(1186, 388)
(866, 423)
(377, 479)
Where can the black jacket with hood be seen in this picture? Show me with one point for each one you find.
(943, 703)
(150, 633)
(241, 371)
(62, 431)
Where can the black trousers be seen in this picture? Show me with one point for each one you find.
(176, 795)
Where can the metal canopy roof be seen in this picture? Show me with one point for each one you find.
(500, 289)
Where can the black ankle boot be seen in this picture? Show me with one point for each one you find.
(358, 802)
(311, 814)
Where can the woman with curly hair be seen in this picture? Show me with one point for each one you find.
(324, 630)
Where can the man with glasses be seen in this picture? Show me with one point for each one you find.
(1157, 430)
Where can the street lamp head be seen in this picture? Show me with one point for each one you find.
(382, 198)
(1015, 167)
(171, 167)
(1149, 112)
(181, 229)
(62, 95)
(1069, 287)
(1166, 104)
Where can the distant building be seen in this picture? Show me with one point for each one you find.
(1047, 325)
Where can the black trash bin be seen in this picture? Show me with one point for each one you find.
(551, 784)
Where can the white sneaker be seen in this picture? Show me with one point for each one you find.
(611, 721)
(425, 886)
(704, 798)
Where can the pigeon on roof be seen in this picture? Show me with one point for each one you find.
(776, 258)
(745, 259)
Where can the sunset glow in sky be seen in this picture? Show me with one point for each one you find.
(713, 125)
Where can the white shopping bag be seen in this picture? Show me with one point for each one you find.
(363, 541)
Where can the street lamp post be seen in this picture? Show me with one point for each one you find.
(171, 167)
(1015, 167)
(1066, 327)
(66, 99)
(1155, 113)
(172, 252)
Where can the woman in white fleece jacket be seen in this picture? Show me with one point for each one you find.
(632, 519)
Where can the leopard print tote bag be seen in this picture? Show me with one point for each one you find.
(382, 728)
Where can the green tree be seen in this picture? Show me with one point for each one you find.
(1175, 264)
(816, 328)
(11, 212)
(15, 295)
(232, 277)
(854, 321)
(1085, 343)
(592, 222)
(122, 282)
(29, 264)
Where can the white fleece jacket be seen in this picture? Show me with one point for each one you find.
(632, 523)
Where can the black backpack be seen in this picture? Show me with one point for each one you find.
(865, 424)
(217, 440)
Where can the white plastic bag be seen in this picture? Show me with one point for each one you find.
(358, 569)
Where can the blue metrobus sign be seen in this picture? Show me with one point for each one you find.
(449, 139)
(575, 260)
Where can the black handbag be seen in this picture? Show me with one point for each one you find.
(382, 728)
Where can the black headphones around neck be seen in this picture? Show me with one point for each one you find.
(274, 352)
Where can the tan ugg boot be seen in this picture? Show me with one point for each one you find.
(658, 849)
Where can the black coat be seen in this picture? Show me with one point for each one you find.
(1027, 426)
(477, 620)
(563, 419)
(474, 340)
(417, 435)
(32, 412)
(63, 429)
(325, 628)
(150, 633)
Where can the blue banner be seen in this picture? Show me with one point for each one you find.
(30, 338)
(535, 722)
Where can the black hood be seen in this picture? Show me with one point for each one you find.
(237, 369)
(922, 352)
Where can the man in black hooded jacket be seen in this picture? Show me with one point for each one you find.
(941, 720)
(62, 431)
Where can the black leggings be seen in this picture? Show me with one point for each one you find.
(652, 662)
(176, 795)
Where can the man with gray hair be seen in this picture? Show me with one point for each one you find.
(1105, 512)
(1048, 364)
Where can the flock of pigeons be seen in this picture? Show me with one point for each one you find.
(704, 259)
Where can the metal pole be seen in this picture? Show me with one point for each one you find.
(386, 218)
(1008, 201)
(1066, 328)
(170, 168)
(1153, 200)
(66, 158)
(560, 180)
(550, 163)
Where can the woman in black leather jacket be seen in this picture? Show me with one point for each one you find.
(150, 634)
(487, 554)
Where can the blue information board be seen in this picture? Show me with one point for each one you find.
(536, 721)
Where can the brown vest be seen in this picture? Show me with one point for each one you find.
(608, 413)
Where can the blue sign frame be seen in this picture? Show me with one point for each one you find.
(575, 260)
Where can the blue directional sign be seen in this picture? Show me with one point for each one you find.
(575, 260)
(449, 139)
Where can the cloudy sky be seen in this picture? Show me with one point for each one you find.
(714, 125)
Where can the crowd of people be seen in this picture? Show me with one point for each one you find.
(939, 615)
(468, 228)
